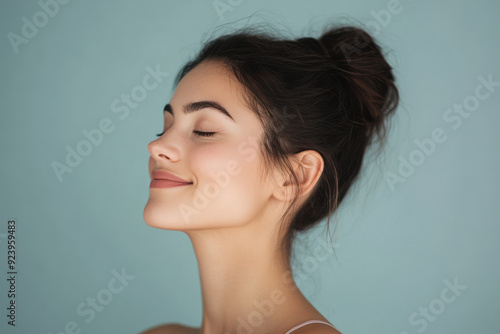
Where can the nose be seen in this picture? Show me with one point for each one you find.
(162, 149)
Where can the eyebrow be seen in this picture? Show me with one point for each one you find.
(195, 106)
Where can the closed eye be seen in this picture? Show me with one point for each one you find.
(198, 133)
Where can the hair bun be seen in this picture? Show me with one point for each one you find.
(360, 63)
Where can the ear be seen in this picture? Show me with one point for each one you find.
(308, 166)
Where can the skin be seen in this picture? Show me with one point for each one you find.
(235, 234)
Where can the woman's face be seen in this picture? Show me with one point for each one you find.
(224, 170)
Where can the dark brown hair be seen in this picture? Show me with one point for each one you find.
(330, 95)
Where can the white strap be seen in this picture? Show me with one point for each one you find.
(307, 323)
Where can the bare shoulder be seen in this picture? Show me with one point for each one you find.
(171, 329)
(316, 329)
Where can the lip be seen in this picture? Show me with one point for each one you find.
(164, 179)
(164, 175)
(166, 184)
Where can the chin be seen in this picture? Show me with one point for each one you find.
(157, 215)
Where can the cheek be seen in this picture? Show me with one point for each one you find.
(229, 183)
(211, 163)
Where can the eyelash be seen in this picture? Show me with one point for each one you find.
(198, 133)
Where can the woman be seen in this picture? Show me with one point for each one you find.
(262, 139)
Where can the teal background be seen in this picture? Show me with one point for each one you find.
(396, 247)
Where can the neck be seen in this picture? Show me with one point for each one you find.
(244, 282)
